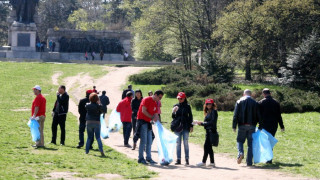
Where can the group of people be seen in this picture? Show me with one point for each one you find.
(138, 114)
(101, 54)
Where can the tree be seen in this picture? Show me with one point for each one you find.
(4, 12)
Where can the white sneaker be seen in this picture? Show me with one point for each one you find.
(212, 165)
(201, 164)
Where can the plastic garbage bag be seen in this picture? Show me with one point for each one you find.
(114, 121)
(34, 128)
(166, 142)
(262, 145)
(104, 130)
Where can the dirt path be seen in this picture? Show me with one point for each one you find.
(227, 168)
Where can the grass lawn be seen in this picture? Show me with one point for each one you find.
(296, 152)
(18, 160)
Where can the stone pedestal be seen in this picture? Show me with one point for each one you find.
(23, 36)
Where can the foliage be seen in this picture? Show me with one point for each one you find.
(4, 12)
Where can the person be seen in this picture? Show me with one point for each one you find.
(182, 110)
(124, 93)
(60, 111)
(124, 108)
(38, 46)
(53, 46)
(146, 113)
(210, 125)
(101, 55)
(86, 55)
(135, 104)
(93, 54)
(126, 56)
(270, 114)
(95, 89)
(159, 110)
(38, 109)
(82, 119)
(94, 109)
(105, 102)
(246, 115)
(50, 45)
(150, 93)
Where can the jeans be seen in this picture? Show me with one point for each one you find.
(245, 132)
(185, 135)
(61, 121)
(208, 149)
(145, 140)
(93, 129)
(127, 127)
(134, 122)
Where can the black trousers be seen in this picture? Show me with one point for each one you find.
(82, 128)
(208, 150)
(61, 121)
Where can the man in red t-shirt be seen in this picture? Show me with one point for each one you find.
(148, 111)
(124, 108)
(38, 109)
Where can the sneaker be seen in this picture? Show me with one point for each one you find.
(79, 146)
(142, 161)
(35, 146)
(240, 157)
(128, 146)
(102, 154)
(201, 164)
(178, 162)
(187, 162)
(151, 161)
(212, 165)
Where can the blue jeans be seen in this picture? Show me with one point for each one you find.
(185, 135)
(93, 129)
(145, 140)
(127, 127)
(245, 132)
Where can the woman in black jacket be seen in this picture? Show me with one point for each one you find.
(94, 109)
(210, 124)
(135, 104)
(182, 112)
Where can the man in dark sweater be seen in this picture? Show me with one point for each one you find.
(105, 102)
(246, 116)
(83, 112)
(60, 111)
(270, 113)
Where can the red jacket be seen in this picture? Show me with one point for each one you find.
(124, 108)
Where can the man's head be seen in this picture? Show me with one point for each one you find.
(104, 92)
(158, 95)
(94, 87)
(247, 92)
(266, 92)
(36, 90)
(62, 89)
(150, 93)
(129, 94)
(130, 86)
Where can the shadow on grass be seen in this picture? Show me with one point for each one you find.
(277, 165)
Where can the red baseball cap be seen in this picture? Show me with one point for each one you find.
(89, 91)
(181, 95)
(209, 101)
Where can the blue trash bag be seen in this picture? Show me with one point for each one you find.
(104, 130)
(166, 142)
(34, 127)
(262, 145)
(114, 121)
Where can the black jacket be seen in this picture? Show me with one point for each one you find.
(105, 102)
(210, 121)
(82, 108)
(184, 112)
(93, 112)
(135, 104)
(246, 112)
(271, 114)
(61, 106)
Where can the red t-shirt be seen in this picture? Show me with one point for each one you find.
(40, 102)
(124, 108)
(151, 106)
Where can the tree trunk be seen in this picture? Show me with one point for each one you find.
(248, 70)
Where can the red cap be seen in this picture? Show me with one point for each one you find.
(209, 101)
(89, 91)
(181, 95)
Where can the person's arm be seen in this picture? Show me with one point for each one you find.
(108, 101)
(36, 110)
(190, 118)
(280, 118)
(119, 107)
(145, 112)
(235, 117)
(259, 117)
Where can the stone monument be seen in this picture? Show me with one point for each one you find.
(23, 29)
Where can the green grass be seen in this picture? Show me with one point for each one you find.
(296, 152)
(18, 160)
